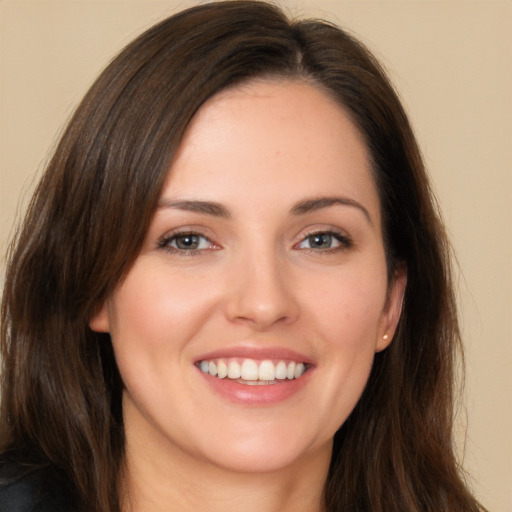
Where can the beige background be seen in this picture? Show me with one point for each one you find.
(452, 63)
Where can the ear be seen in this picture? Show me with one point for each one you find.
(392, 310)
(100, 322)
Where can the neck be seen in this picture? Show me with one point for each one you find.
(163, 481)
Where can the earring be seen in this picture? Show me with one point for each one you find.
(385, 337)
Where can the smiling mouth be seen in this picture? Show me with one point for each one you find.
(253, 372)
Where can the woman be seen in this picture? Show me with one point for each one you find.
(232, 287)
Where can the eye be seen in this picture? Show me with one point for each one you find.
(186, 242)
(325, 241)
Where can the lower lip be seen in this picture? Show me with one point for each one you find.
(261, 395)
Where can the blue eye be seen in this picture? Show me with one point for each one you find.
(325, 240)
(186, 242)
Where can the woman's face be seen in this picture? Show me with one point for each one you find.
(265, 262)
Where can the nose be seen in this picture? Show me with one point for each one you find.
(262, 292)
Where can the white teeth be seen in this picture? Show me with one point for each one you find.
(234, 370)
(267, 371)
(281, 370)
(249, 370)
(290, 373)
(259, 382)
(222, 369)
(252, 371)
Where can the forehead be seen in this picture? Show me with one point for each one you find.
(264, 137)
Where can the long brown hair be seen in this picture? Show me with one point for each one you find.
(61, 391)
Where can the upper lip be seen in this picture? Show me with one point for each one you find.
(257, 353)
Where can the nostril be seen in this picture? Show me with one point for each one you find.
(261, 295)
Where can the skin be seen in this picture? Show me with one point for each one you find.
(256, 280)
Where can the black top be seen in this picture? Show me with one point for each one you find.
(23, 490)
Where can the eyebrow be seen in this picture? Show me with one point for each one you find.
(204, 207)
(300, 208)
(311, 205)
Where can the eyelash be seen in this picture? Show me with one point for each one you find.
(344, 241)
(165, 243)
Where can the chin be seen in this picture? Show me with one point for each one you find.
(267, 451)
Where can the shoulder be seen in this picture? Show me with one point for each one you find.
(30, 490)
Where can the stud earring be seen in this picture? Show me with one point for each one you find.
(385, 337)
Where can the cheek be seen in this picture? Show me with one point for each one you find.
(155, 309)
(348, 306)
(154, 317)
(346, 312)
